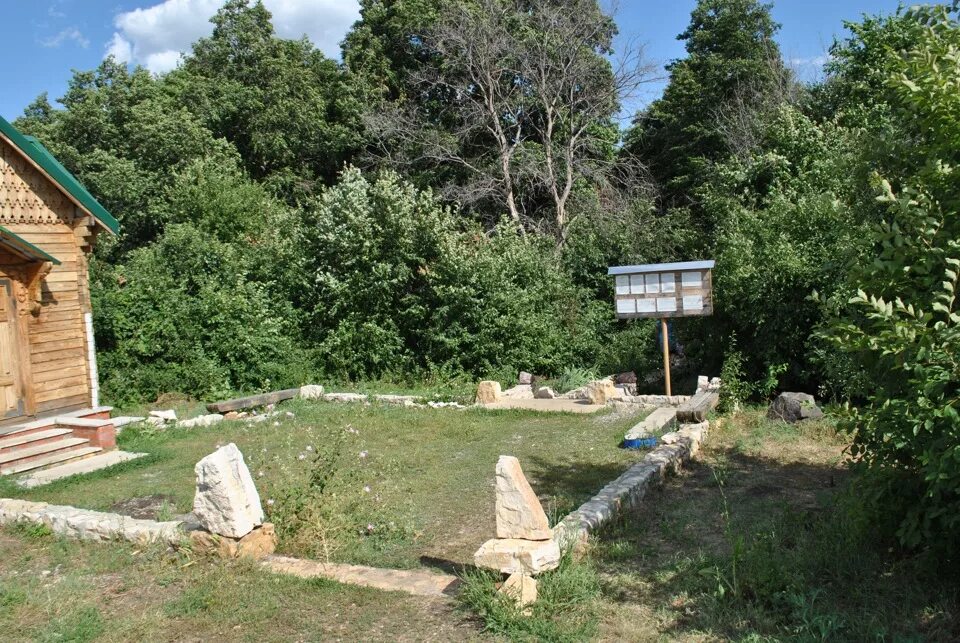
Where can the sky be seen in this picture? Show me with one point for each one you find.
(43, 40)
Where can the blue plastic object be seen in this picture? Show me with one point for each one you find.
(640, 443)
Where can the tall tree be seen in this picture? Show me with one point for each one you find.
(291, 113)
(732, 63)
(515, 108)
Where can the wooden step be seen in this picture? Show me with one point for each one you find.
(57, 457)
(28, 427)
(28, 452)
(31, 438)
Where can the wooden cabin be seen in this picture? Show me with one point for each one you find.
(48, 224)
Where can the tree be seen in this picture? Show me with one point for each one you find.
(520, 100)
(291, 113)
(902, 325)
(732, 63)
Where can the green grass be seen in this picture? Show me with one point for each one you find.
(763, 539)
(759, 539)
(429, 473)
(58, 590)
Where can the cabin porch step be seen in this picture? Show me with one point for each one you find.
(56, 457)
(32, 457)
(35, 438)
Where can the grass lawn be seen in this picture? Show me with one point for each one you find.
(759, 539)
(377, 484)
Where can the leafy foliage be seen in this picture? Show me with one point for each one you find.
(903, 325)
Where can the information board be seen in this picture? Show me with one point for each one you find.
(663, 290)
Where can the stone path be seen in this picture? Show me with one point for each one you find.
(416, 582)
(74, 467)
(555, 405)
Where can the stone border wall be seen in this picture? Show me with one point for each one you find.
(85, 524)
(625, 492)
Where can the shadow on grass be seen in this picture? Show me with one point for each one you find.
(569, 481)
(743, 546)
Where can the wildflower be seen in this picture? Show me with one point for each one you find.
(269, 502)
(302, 456)
(366, 489)
(259, 474)
(363, 454)
(370, 526)
(309, 448)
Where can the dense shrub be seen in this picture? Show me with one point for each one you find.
(401, 284)
(183, 315)
(903, 326)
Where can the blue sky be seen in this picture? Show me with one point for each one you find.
(43, 40)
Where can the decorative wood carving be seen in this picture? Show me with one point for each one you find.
(26, 195)
(26, 285)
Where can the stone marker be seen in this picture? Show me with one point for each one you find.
(513, 555)
(519, 392)
(521, 588)
(166, 416)
(226, 502)
(545, 393)
(525, 378)
(202, 420)
(601, 391)
(793, 407)
(519, 513)
(488, 392)
(311, 392)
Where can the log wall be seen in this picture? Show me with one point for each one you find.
(34, 208)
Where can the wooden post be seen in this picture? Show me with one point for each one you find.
(666, 353)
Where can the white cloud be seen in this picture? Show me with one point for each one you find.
(813, 61)
(67, 35)
(156, 36)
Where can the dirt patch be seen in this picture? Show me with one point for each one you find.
(145, 507)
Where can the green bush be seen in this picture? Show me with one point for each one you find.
(902, 327)
(400, 284)
(183, 315)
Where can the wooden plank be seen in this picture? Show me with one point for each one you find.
(60, 383)
(695, 409)
(49, 297)
(68, 369)
(54, 314)
(47, 360)
(252, 401)
(72, 403)
(39, 329)
(61, 286)
(52, 347)
(61, 393)
(57, 336)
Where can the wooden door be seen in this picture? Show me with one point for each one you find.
(11, 396)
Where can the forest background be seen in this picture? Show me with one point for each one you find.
(445, 201)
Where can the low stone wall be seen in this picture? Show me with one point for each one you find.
(85, 524)
(628, 490)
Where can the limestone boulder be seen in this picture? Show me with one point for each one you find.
(513, 555)
(167, 416)
(226, 501)
(202, 420)
(545, 393)
(601, 391)
(794, 407)
(488, 392)
(519, 392)
(519, 513)
(311, 392)
(525, 378)
(521, 588)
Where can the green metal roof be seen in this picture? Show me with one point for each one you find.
(24, 248)
(36, 152)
